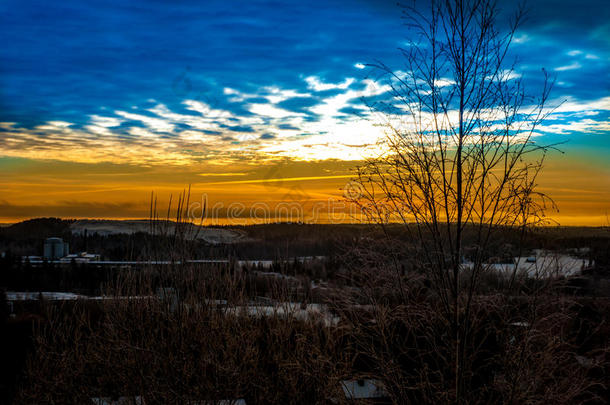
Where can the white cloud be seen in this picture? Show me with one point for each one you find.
(314, 83)
(155, 124)
(443, 82)
(521, 38)
(276, 95)
(331, 106)
(272, 93)
(99, 130)
(331, 134)
(269, 110)
(237, 96)
(510, 75)
(210, 119)
(582, 126)
(205, 110)
(141, 132)
(58, 124)
(573, 105)
(571, 66)
(106, 122)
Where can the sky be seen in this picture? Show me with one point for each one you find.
(252, 104)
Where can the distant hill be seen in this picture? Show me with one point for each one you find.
(40, 228)
(114, 227)
(37, 228)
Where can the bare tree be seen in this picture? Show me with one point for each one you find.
(459, 159)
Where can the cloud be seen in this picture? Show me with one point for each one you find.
(106, 122)
(270, 111)
(286, 119)
(74, 209)
(573, 105)
(521, 38)
(576, 126)
(331, 106)
(314, 83)
(571, 66)
(152, 123)
(223, 174)
(284, 179)
(333, 123)
(277, 95)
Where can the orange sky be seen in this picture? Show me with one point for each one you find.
(307, 191)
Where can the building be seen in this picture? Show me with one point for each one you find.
(82, 257)
(365, 390)
(137, 400)
(55, 248)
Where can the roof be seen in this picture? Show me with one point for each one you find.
(137, 400)
(363, 389)
(119, 401)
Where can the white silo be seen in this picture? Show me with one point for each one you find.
(54, 248)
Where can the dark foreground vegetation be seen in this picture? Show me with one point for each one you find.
(295, 332)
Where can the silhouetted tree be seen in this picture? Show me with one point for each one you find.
(459, 153)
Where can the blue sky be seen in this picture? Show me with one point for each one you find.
(66, 60)
(199, 83)
(71, 58)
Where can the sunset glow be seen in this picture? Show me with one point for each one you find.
(100, 105)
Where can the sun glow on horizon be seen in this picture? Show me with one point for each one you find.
(80, 137)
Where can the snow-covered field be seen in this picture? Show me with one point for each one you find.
(541, 265)
(32, 296)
